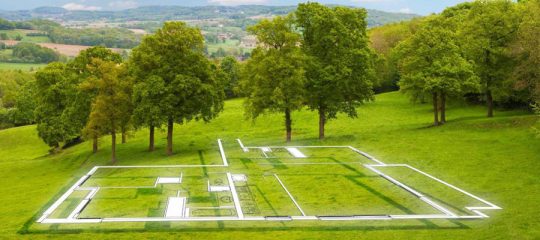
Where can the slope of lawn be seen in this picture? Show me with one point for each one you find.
(497, 159)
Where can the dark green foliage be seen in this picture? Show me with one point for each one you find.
(16, 98)
(488, 31)
(25, 104)
(6, 25)
(63, 104)
(231, 70)
(32, 53)
(52, 100)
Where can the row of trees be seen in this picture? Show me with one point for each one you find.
(484, 49)
(317, 57)
(32, 53)
(166, 80)
(109, 37)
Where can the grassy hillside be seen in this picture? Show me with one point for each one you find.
(498, 159)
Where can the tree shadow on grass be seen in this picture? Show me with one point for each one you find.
(165, 227)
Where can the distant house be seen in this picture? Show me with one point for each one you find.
(249, 41)
(224, 36)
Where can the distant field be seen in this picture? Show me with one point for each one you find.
(227, 46)
(64, 49)
(21, 66)
(21, 32)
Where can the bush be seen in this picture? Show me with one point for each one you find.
(29, 52)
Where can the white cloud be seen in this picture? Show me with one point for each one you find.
(237, 2)
(405, 10)
(80, 7)
(123, 4)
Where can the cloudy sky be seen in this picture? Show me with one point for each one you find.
(412, 6)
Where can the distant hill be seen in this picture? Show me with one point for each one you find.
(165, 13)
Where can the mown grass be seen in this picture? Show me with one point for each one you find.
(498, 159)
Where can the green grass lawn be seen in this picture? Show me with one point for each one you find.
(21, 66)
(497, 159)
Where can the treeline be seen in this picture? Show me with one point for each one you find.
(109, 37)
(481, 51)
(166, 80)
(317, 57)
(25, 52)
(8, 25)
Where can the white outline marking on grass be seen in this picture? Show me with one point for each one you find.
(290, 195)
(236, 200)
(447, 214)
(222, 152)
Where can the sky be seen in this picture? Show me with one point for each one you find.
(422, 7)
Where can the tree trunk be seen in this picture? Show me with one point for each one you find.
(113, 147)
(151, 145)
(170, 126)
(435, 109)
(95, 144)
(288, 123)
(443, 108)
(489, 100)
(322, 122)
(124, 135)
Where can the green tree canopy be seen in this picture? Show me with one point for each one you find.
(488, 31)
(231, 70)
(80, 100)
(273, 79)
(174, 60)
(112, 106)
(432, 63)
(340, 72)
(51, 98)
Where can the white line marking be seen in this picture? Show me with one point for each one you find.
(235, 197)
(222, 152)
(290, 195)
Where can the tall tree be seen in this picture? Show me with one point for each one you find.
(273, 79)
(51, 98)
(432, 63)
(490, 27)
(340, 72)
(111, 107)
(173, 58)
(79, 102)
